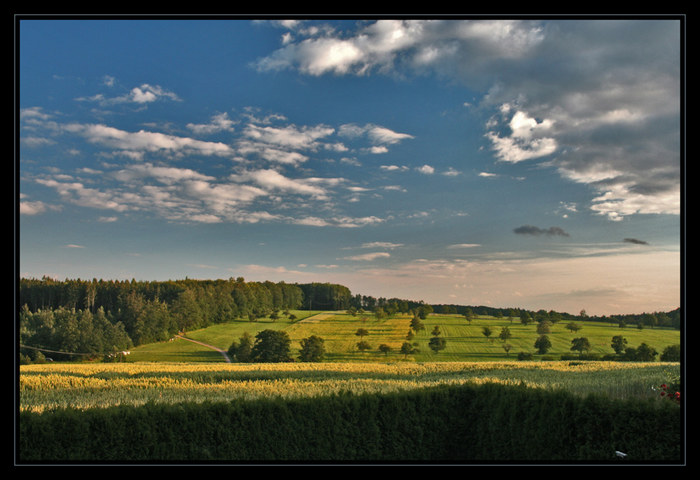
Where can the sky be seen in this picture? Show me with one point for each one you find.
(509, 162)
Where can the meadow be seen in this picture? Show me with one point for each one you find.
(465, 341)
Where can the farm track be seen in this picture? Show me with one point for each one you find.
(222, 352)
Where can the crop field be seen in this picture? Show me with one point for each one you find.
(183, 371)
(83, 386)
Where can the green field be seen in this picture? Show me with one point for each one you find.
(465, 340)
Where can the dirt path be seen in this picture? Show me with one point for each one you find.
(222, 352)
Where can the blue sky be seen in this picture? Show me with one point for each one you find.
(511, 163)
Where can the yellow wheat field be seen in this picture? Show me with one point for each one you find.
(49, 386)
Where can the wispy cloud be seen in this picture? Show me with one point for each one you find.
(366, 257)
(536, 231)
(218, 123)
(635, 241)
(142, 94)
(141, 142)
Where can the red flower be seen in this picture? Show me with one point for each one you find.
(663, 386)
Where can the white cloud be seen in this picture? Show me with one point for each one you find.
(140, 95)
(603, 93)
(383, 44)
(366, 257)
(378, 135)
(289, 136)
(273, 180)
(393, 168)
(77, 193)
(381, 245)
(219, 123)
(142, 141)
(426, 169)
(32, 208)
(526, 141)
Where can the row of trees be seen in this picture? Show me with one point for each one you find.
(47, 333)
(647, 319)
(274, 346)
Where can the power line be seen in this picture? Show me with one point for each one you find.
(57, 351)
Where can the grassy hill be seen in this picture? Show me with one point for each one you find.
(465, 340)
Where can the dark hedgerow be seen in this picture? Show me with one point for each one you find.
(452, 424)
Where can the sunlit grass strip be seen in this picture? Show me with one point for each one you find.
(140, 393)
(49, 386)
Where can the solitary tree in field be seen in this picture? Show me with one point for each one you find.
(408, 349)
(486, 331)
(543, 344)
(469, 315)
(417, 324)
(384, 348)
(544, 327)
(380, 314)
(436, 331)
(312, 349)
(505, 334)
(242, 351)
(437, 343)
(361, 332)
(573, 327)
(507, 347)
(618, 344)
(271, 346)
(362, 346)
(580, 345)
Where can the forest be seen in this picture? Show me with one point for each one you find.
(101, 317)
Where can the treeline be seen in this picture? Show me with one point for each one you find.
(647, 319)
(106, 316)
(101, 317)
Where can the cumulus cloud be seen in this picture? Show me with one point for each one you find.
(255, 192)
(599, 100)
(385, 44)
(527, 139)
